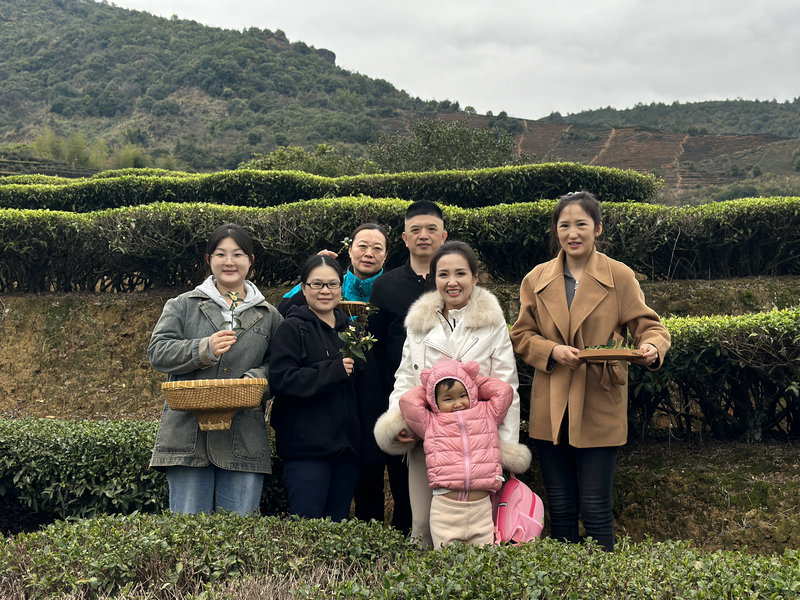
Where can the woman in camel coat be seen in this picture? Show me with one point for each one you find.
(578, 414)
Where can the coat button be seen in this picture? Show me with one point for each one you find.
(226, 370)
(416, 367)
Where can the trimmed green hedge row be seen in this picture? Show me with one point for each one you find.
(725, 376)
(35, 180)
(76, 469)
(483, 187)
(162, 245)
(80, 469)
(226, 556)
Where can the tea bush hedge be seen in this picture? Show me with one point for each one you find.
(80, 469)
(35, 179)
(174, 556)
(504, 185)
(74, 469)
(485, 187)
(162, 245)
(725, 376)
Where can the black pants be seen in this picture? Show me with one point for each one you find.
(369, 495)
(321, 487)
(579, 484)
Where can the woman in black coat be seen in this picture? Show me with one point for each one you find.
(316, 414)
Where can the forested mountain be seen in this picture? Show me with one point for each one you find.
(93, 80)
(743, 117)
(208, 96)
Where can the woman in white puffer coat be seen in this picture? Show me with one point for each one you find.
(457, 321)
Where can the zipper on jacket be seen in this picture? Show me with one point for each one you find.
(466, 451)
(446, 320)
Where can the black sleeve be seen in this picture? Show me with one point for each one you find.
(285, 304)
(378, 321)
(297, 371)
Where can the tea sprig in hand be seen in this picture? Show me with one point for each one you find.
(235, 301)
(612, 345)
(357, 340)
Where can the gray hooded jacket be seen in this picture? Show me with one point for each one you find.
(179, 347)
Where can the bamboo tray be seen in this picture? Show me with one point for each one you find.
(214, 401)
(353, 308)
(601, 354)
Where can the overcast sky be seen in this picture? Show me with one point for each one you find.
(531, 58)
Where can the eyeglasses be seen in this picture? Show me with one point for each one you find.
(318, 285)
(231, 256)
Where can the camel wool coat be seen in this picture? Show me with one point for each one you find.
(608, 304)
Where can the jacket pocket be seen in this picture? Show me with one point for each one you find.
(177, 432)
(262, 332)
(250, 438)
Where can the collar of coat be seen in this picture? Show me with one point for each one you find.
(595, 283)
(195, 293)
(212, 312)
(483, 310)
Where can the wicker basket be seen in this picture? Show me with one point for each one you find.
(353, 308)
(214, 401)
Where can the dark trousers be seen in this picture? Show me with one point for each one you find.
(397, 468)
(579, 484)
(321, 487)
(369, 495)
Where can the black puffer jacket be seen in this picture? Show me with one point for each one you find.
(315, 413)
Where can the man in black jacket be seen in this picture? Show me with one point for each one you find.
(393, 293)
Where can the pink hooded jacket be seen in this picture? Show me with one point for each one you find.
(462, 448)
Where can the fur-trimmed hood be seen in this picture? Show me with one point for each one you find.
(515, 456)
(482, 310)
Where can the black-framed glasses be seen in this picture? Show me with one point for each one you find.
(318, 285)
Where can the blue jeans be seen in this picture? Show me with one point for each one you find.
(321, 487)
(195, 490)
(579, 484)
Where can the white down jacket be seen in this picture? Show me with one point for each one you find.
(480, 334)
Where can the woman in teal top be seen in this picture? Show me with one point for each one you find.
(367, 254)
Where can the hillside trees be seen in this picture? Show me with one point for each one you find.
(748, 117)
(431, 146)
(325, 161)
(438, 145)
(211, 97)
(76, 151)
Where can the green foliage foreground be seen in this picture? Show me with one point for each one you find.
(170, 556)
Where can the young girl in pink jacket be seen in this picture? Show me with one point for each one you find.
(457, 414)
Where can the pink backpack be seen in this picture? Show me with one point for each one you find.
(517, 512)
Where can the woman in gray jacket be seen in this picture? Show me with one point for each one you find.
(220, 330)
